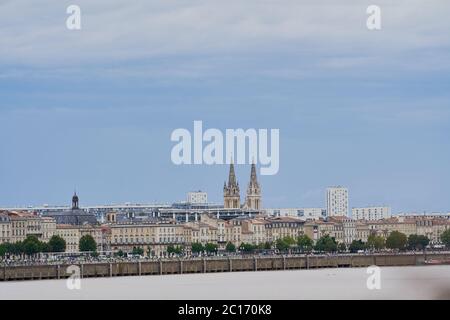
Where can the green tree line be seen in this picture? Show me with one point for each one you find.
(32, 245)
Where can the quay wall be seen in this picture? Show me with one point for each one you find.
(215, 264)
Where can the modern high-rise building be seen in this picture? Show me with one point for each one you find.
(371, 213)
(337, 201)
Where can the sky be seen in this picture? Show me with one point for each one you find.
(93, 109)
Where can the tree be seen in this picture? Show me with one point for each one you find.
(230, 247)
(174, 249)
(289, 241)
(247, 247)
(57, 244)
(13, 248)
(119, 253)
(417, 242)
(282, 245)
(356, 245)
(137, 251)
(445, 238)
(211, 247)
(3, 250)
(267, 245)
(45, 247)
(375, 242)
(87, 243)
(423, 242)
(342, 247)
(305, 243)
(31, 245)
(197, 247)
(326, 244)
(396, 240)
(179, 249)
(260, 246)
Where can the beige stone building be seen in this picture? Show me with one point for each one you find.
(254, 231)
(201, 232)
(384, 227)
(362, 231)
(5, 228)
(344, 229)
(153, 238)
(226, 230)
(72, 235)
(233, 232)
(24, 224)
(281, 227)
(48, 228)
(15, 226)
(320, 228)
(432, 228)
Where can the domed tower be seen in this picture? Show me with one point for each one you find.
(253, 198)
(75, 200)
(231, 193)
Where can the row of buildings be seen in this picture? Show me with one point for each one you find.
(154, 237)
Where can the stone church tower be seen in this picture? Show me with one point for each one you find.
(253, 199)
(231, 194)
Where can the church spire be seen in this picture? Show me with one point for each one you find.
(253, 177)
(231, 191)
(232, 176)
(253, 199)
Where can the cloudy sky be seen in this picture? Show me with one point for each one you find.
(93, 109)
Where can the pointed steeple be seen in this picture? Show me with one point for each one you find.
(231, 190)
(232, 176)
(253, 199)
(253, 177)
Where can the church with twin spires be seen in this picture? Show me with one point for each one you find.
(231, 192)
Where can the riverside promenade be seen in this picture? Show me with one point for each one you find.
(215, 264)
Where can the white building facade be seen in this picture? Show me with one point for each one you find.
(301, 213)
(337, 201)
(371, 213)
(197, 197)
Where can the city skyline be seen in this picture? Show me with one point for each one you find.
(219, 199)
(385, 209)
(199, 151)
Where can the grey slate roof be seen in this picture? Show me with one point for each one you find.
(73, 217)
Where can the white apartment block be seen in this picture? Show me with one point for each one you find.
(371, 213)
(337, 201)
(197, 197)
(301, 213)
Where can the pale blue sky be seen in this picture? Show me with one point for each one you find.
(94, 109)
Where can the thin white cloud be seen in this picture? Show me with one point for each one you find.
(189, 34)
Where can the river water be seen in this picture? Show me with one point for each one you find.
(420, 282)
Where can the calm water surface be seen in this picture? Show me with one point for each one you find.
(421, 282)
